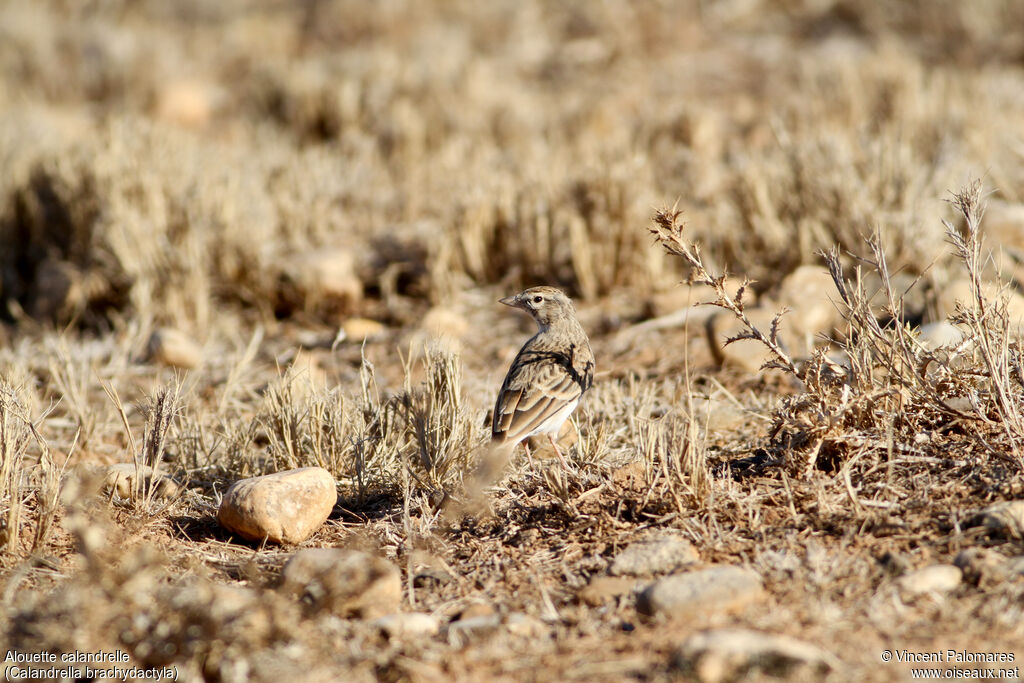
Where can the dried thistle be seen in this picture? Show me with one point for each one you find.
(668, 231)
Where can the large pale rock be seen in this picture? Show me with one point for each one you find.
(128, 481)
(942, 333)
(707, 591)
(346, 583)
(285, 507)
(1003, 224)
(746, 354)
(810, 295)
(939, 578)
(960, 291)
(731, 654)
(655, 555)
(174, 348)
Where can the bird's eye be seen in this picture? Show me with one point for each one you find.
(538, 299)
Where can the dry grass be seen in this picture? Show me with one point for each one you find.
(257, 174)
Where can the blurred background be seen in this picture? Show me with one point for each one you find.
(174, 162)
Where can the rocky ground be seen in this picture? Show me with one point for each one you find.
(250, 338)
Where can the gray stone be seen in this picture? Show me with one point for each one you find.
(745, 354)
(810, 295)
(346, 583)
(729, 654)
(602, 589)
(706, 591)
(942, 333)
(655, 555)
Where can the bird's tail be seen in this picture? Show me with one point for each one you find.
(490, 468)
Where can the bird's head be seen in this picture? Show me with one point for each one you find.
(547, 305)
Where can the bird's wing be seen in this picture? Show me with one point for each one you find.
(582, 360)
(532, 394)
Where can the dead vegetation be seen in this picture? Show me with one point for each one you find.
(253, 176)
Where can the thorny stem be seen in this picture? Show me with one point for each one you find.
(668, 230)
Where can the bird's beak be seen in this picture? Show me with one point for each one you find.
(508, 301)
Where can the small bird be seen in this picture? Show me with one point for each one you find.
(549, 375)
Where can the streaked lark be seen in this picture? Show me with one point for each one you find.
(548, 376)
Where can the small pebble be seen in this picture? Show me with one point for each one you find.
(346, 583)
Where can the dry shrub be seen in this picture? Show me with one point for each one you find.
(423, 432)
(892, 401)
(304, 428)
(114, 227)
(675, 457)
(423, 435)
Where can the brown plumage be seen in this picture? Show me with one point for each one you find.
(549, 375)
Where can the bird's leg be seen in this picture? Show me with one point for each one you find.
(558, 451)
(529, 458)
